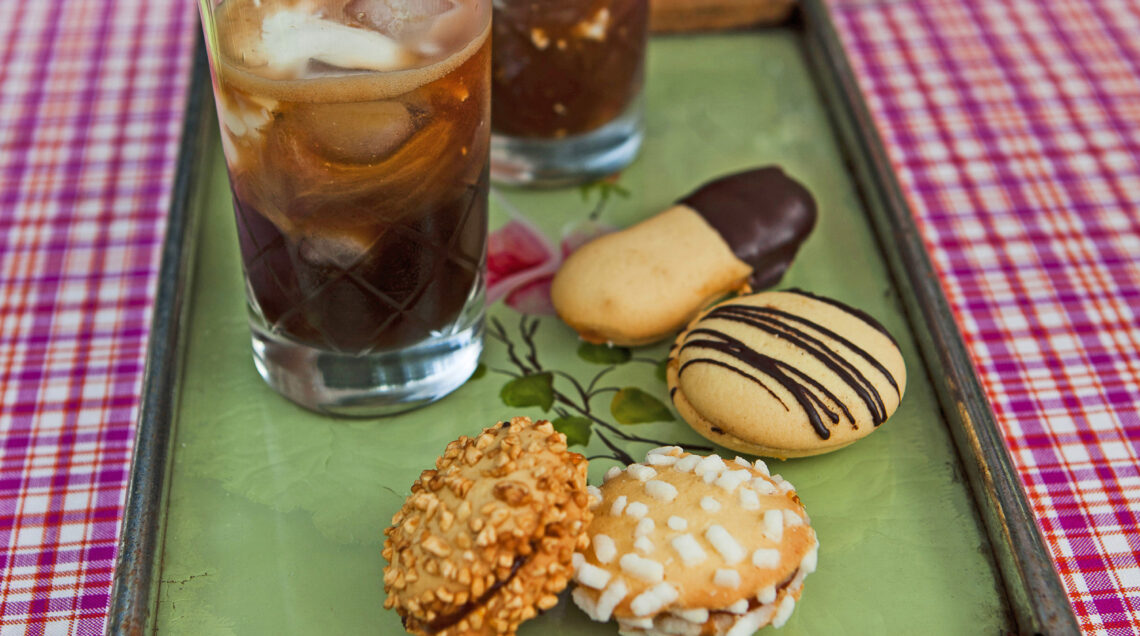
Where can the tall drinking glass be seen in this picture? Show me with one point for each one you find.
(567, 78)
(356, 134)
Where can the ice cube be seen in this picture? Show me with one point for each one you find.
(397, 18)
(292, 37)
(364, 132)
(243, 114)
(374, 14)
(339, 251)
(448, 32)
(242, 119)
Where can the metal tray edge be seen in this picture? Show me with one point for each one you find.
(1037, 597)
(133, 595)
(1035, 592)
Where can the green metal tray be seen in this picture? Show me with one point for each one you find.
(248, 515)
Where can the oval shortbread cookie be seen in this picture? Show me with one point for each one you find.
(785, 374)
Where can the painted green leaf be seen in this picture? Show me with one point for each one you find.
(529, 390)
(604, 187)
(660, 370)
(576, 430)
(480, 371)
(631, 405)
(603, 354)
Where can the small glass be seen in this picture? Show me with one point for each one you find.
(566, 89)
(356, 135)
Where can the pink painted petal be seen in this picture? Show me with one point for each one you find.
(516, 246)
(517, 253)
(577, 234)
(510, 284)
(533, 298)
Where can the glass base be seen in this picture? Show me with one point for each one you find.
(573, 160)
(370, 385)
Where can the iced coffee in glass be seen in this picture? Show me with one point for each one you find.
(356, 134)
(566, 99)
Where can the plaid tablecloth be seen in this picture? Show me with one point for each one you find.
(91, 99)
(1014, 126)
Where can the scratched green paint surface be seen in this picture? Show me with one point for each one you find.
(275, 515)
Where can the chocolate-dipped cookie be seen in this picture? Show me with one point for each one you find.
(485, 540)
(641, 284)
(785, 374)
(763, 216)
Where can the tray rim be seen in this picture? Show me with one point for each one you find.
(134, 582)
(1030, 581)
(1036, 594)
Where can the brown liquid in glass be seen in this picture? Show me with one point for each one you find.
(565, 68)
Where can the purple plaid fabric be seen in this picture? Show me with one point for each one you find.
(1014, 127)
(91, 98)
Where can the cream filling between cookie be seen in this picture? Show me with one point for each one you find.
(745, 620)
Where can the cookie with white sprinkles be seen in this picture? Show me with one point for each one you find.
(785, 374)
(485, 540)
(695, 546)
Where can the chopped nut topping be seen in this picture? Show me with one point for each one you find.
(489, 562)
(435, 545)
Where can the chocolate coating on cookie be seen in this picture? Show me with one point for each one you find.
(762, 214)
(484, 541)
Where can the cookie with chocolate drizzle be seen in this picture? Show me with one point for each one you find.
(785, 374)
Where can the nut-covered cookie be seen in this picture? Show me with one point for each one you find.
(785, 374)
(485, 540)
(643, 283)
(693, 545)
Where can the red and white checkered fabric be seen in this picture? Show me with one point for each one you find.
(1014, 128)
(91, 98)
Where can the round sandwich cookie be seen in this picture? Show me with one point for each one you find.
(640, 285)
(785, 374)
(486, 539)
(691, 545)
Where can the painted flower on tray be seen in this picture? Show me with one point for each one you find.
(521, 260)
